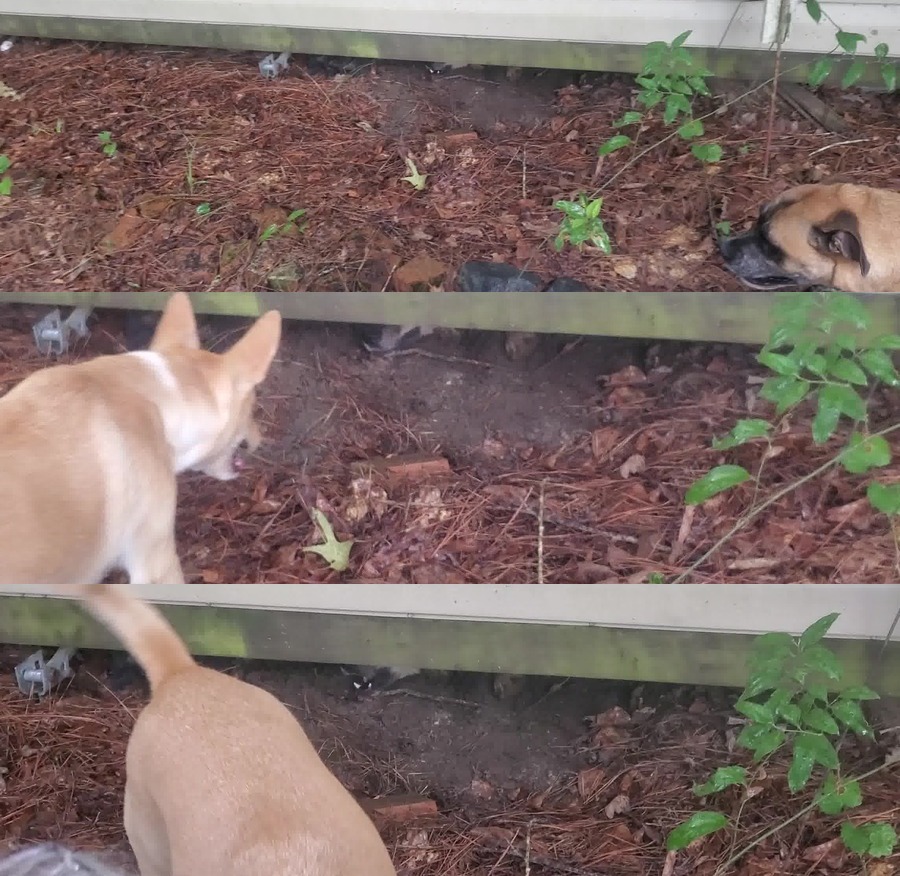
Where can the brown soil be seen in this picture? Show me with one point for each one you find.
(591, 775)
(596, 439)
(203, 128)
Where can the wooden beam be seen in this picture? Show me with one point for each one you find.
(734, 317)
(680, 657)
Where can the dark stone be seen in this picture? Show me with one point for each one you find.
(567, 284)
(496, 277)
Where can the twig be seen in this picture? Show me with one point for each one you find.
(422, 696)
(540, 547)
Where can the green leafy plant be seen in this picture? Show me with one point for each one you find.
(847, 43)
(275, 228)
(335, 552)
(110, 147)
(205, 209)
(672, 79)
(5, 178)
(582, 224)
(820, 353)
(790, 703)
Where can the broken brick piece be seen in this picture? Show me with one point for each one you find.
(399, 808)
(408, 468)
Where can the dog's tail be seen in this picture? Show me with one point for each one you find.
(142, 629)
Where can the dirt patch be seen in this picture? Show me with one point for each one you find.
(592, 775)
(209, 155)
(586, 446)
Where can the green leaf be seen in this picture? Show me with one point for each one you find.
(846, 308)
(5, 163)
(784, 392)
(336, 553)
(629, 118)
(862, 454)
(690, 130)
(762, 741)
(821, 749)
(698, 825)
(755, 711)
(847, 369)
(826, 419)
(743, 431)
(859, 692)
(853, 73)
(681, 39)
(849, 41)
(5, 186)
(819, 720)
(722, 477)
(856, 839)
(846, 399)
(774, 646)
(268, 232)
(836, 796)
(708, 153)
(881, 51)
(294, 215)
(823, 661)
(722, 778)
(879, 364)
(882, 840)
(884, 497)
(886, 342)
(877, 840)
(620, 141)
(779, 363)
(802, 764)
(675, 104)
(889, 76)
(602, 242)
(791, 713)
(817, 630)
(819, 72)
(849, 712)
(203, 209)
(814, 10)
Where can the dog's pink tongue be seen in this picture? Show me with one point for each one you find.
(238, 462)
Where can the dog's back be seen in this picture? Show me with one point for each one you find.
(221, 778)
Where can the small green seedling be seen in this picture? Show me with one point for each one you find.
(415, 179)
(582, 224)
(723, 228)
(204, 209)
(110, 147)
(5, 178)
(336, 553)
(275, 229)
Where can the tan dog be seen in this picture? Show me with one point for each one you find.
(89, 453)
(838, 235)
(221, 780)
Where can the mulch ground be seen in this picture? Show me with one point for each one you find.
(62, 762)
(203, 131)
(607, 505)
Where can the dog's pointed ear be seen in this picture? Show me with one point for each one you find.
(252, 355)
(177, 327)
(840, 235)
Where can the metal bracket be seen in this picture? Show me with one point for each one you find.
(38, 676)
(270, 67)
(52, 333)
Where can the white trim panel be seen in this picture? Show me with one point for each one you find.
(866, 610)
(715, 23)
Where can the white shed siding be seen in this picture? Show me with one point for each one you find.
(866, 610)
(730, 24)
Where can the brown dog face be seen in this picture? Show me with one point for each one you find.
(808, 236)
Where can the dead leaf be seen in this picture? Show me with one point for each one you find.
(210, 576)
(625, 268)
(614, 717)
(603, 440)
(127, 232)
(590, 782)
(481, 789)
(617, 806)
(154, 207)
(630, 375)
(635, 464)
(422, 271)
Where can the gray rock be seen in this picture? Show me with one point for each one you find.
(567, 284)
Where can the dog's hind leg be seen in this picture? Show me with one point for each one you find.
(154, 561)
